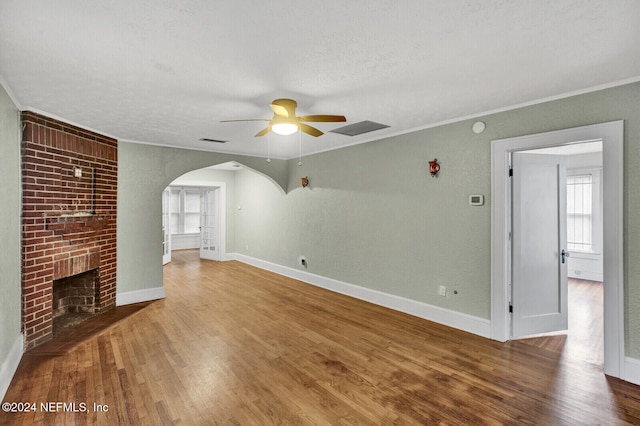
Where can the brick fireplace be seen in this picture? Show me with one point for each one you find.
(69, 185)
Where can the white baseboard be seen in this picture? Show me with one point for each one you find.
(137, 296)
(185, 241)
(10, 364)
(632, 370)
(460, 321)
(585, 275)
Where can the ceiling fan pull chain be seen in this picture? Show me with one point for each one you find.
(268, 149)
(299, 148)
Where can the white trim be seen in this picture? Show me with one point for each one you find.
(202, 149)
(390, 133)
(612, 136)
(72, 123)
(221, 205)
(10, 364)
(586, 275)
(12, 95)
(222, 220)
(184, 241)
(632, 370)
(461, 321)
(137, 296)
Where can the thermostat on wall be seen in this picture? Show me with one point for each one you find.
(476, 200)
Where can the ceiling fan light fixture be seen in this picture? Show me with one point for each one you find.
(284, 129)
(285, 121)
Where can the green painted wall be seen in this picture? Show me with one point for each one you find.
(373, 216)
(143, 173)
(10, 212)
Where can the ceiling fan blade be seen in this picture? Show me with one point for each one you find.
(279, 110)
(322, 118)
(310, 130)
(248, 119)
(263, 131)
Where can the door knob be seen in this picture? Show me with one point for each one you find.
(564, 254)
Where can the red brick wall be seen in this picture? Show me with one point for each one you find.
(68, 222)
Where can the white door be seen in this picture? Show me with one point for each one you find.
(539, 268)
(166, 226)
(209, 225)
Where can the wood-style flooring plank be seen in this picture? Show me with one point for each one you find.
(232, 344)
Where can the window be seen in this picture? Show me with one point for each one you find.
(185, 210)
(583, 207)
(191, 222)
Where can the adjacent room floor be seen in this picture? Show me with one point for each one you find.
(584, 341)
(232, 344)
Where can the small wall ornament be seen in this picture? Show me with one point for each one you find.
(434, 167)
(304, 181)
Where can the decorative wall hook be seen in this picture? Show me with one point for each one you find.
(434, 167)
(304, 182)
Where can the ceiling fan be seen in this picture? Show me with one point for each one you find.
(285, 121)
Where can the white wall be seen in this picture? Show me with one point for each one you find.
(587, 266)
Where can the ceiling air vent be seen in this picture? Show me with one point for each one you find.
(359, 128)
(212, 140)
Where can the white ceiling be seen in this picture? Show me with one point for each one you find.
(167, 71)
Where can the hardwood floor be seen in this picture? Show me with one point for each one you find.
(232, 344)
(584, 341)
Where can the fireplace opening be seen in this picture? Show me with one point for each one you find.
(75, 299)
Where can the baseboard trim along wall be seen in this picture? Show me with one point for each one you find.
(10, 364)
(632, 370)
(138, 296)
(460, 321)
(591, 276)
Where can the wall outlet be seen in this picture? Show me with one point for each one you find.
(442, 291)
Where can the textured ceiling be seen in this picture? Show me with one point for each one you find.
(166, 72)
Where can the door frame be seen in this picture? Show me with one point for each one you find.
(612, 136)
(166, 258)
(220, 221)
(222, 213)
(221, 206)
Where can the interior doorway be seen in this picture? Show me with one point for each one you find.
(556, 233)
(611, 135)
(194, 217)
(574, 259)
